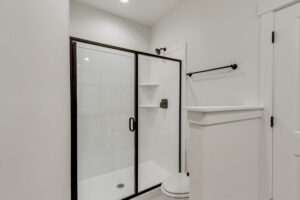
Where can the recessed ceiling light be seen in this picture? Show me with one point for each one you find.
(124, 1)
(87, 59)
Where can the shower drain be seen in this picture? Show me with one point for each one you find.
(120, 186)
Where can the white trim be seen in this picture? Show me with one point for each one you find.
(222, 108)
(267, 25)
(276, 8)
(286, 5)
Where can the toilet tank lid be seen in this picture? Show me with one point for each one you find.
(177, 184)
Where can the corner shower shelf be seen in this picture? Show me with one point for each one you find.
(90, 112)
(150, 84)
(149, 106)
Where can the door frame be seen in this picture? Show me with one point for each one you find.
(283, 8)
(73, 89)
(267, 79)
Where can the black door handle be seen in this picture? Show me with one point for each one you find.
(131, 124)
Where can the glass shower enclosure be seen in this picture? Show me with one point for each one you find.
(125, 121)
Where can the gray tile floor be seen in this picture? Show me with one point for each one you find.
(153, 195)
(160, 197)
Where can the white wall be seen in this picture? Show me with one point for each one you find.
(218, 33)
(34, 105)
(96, 25)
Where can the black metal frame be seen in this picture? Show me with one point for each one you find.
(73, 63)
(233, 67)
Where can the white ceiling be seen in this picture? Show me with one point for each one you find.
(142, 11)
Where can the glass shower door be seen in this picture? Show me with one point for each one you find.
(105, 123)
(159, 120)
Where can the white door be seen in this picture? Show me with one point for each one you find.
(286, 104)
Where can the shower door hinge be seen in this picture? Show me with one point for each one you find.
(273, 37)
(272, 121)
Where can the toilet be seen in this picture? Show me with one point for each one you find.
(176, 186)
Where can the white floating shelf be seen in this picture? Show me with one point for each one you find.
(150, 84)
(149, 106)
(206, 109)
(214, 115)
(90, 112)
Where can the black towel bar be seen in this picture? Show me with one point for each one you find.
(234, 67)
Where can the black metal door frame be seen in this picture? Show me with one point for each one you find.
(73, 79)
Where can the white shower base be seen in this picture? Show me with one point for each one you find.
(104, 187)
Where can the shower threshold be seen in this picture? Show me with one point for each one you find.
(119, 184)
